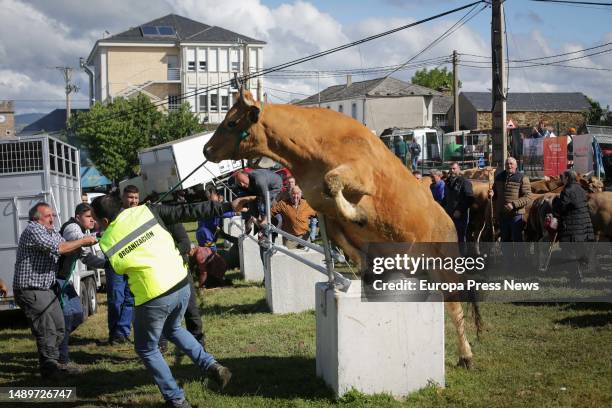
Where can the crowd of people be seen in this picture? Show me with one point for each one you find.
(150, 289)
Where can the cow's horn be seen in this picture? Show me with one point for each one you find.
(243, 99)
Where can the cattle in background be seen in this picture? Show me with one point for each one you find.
(600, 208)
(589, 183)
(347, 174)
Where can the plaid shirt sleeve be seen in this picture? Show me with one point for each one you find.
(46, 241)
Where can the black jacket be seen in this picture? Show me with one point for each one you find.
(181, 239)
(458, 195)
(575, 220)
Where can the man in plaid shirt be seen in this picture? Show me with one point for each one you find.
(38, 254)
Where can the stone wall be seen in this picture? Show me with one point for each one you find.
(559, 121)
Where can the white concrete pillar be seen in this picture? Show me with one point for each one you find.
(290, 284)
(378, 347)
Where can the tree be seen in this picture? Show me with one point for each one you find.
(177, 124)
(596, 115)
(438, 79)
(114, 133)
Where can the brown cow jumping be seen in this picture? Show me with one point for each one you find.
(347, 174)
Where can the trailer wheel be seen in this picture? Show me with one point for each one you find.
(91, 296)
(84, 299)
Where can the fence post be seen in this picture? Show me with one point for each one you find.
(329, 263)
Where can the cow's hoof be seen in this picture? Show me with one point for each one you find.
(466, 362)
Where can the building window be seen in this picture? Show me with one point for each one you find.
(191, 62)
(212, 60)
(214, 101)
(340, 108)
(204, 102)
(201, 59)
(223, 60)
(174, 102)
(253, 63)
(234, 60)
(354, 110)
(224, 100)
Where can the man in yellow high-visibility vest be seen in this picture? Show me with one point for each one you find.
(137, 244)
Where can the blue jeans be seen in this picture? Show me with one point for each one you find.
(415, 163)
(164, 315)
(73, 317)
(120, 304)
(314, 221)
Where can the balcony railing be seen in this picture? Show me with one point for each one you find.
(174, 74)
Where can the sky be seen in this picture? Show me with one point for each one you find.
(38, 35)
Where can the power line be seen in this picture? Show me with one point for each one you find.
(463, 20)
(297, 61)
(589, 3)
(547, 63)
(544, 57)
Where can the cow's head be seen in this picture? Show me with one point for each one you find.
(235, 137)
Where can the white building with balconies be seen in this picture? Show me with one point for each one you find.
(173, 60)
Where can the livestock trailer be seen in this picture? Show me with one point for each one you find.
(163, 166)
(34, 169)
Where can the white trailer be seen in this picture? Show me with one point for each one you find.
(34, 169)
(163, 166)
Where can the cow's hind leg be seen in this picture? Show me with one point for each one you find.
(346, 179)
(465, 351)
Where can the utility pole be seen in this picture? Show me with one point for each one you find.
(245, 67)
(499, 89)
(70, 88)
(456, 89)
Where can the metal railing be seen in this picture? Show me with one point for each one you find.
(174, 74)
(335, 279)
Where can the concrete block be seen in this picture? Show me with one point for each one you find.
(251, 266)
(290, 284)
(378, 347)
(230, 228)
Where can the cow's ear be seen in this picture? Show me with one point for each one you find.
(254, 114)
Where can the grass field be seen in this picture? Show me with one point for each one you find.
(529, 355)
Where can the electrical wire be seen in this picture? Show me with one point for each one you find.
(288, 64)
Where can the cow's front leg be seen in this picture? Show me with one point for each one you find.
(337, 236)
(346, 180)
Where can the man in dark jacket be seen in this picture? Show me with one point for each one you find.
(575, 224)
(458, 197)
(400, 149)
(511, 194)
(193, 319)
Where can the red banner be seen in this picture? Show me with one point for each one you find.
(555, 155)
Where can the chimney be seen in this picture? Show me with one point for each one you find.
(7, 119)
(349, 80)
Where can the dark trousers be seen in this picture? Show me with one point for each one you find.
(120, 304)
(44, 314)
(512, 228)
(73, 317)
(461, 225)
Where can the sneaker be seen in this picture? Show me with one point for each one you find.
(220, 374)
(113, 341)
(182, 403)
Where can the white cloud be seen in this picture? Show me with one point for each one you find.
(46, 34)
